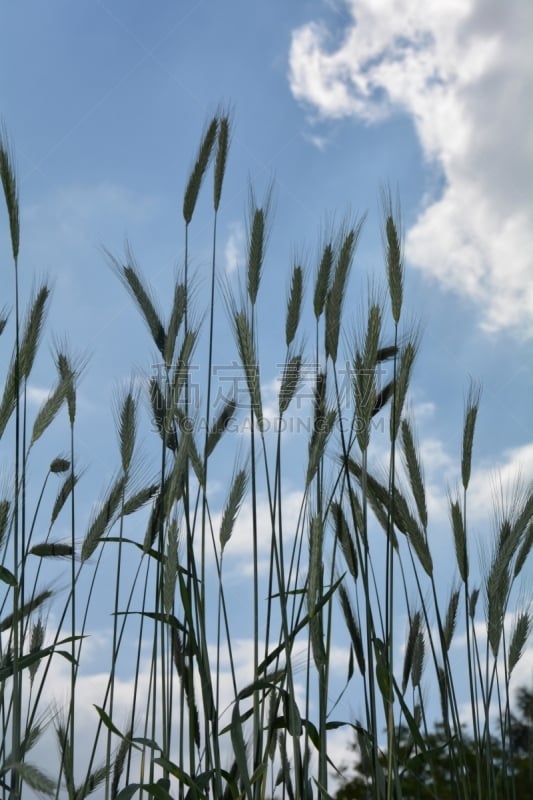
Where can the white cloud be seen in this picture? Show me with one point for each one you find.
(497, 484)
(423, 410)
(234, 249)
(320, 142)
(74, 214)
(490, 485)
(461, 71)
(91, 689)
(240, 544)
(36, 395)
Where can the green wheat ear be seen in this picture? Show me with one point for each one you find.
(129, 274)
(5, 507)
(414, 470)
(198, 171)
(104, 518)
(524, 550)
(407, 359)
(418, 659)
(314, 589)
(37, 601)
(29, 343)
(451, 618)
(519, 638)
(4, 316)
(70, 370)
(233, 505)
(37, 635)
(177, 316)
(220, 425)
(497, 586)
(9, 184)
(344, 537)
(224, 131)
(323, 280)
(335, 297)
(247, 354)
(317, 444)
(139, 499)
(127, 427)
(353, 628)
(289, 382)
(170, 570)
(294, 305)
(393, 249)
(471, 411)
(365, 389)
(120, 761)
(410, 648)
(257, 239)
(50, 409)
(33, 777)
(51, 549)
(459, 538)
(63, 495)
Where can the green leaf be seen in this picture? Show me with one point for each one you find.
(7, 577)
(239, 749)
(196, 783)
(350, 665)
(285, 645)
(323, 792)
(27, 660)
(128, 791)
(106, 719)
(292, 714)
(159, 790)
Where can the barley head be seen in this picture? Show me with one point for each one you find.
(471, 410)
(9, 183)
(294, 305)
(221, 156)
(198, 171)
(322, 280)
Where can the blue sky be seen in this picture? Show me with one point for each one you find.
(104, 103)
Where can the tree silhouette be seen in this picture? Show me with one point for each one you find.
(499, 769)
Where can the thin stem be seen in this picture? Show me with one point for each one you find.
(17, 689)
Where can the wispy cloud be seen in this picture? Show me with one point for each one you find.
(490, 485)
(234, 249)
(500, 484)
(461, 71)
(74, 213)
(493, 484)
(320, 142)
(239, 548)
(36, 395)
